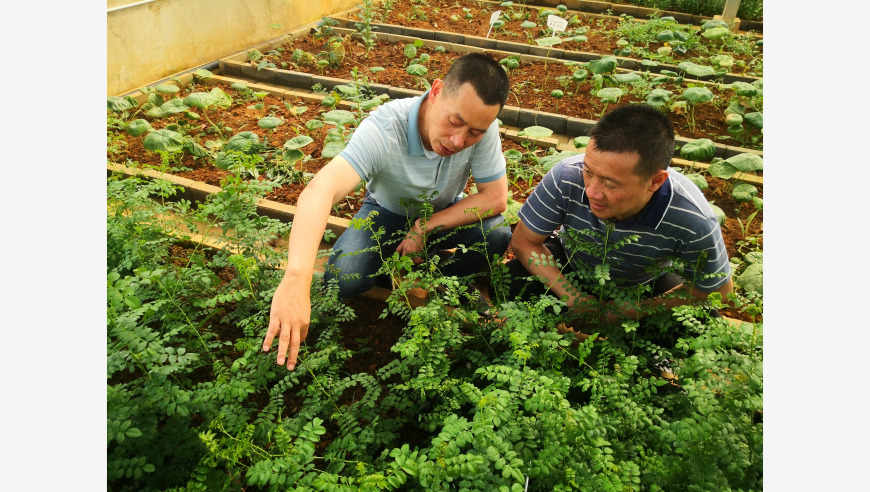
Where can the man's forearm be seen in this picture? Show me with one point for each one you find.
(483, 206)
(308, 225)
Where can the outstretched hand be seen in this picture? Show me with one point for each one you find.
(288, 319)
(412, 244)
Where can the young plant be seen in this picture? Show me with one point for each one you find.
(364, 27)
(694, 96)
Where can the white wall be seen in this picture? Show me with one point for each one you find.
(152, 41)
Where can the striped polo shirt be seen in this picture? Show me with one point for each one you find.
(676, 223)
(386, 150)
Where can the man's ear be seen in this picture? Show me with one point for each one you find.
(657, 180)
(436, 88)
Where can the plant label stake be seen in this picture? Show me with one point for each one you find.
(556, 23)
(494, 17)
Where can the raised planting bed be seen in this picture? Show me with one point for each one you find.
(634, 9)
(663, 42)
(564, 96)
(198, 144)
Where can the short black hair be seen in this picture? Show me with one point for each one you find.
(485, 75)
(636, 128)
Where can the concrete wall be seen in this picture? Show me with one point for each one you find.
(149, 42)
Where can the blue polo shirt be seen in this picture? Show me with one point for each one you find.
(677, 223)
(387, 152)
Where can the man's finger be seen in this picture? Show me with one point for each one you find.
(271, 331)
(294, 350)
(284, 342)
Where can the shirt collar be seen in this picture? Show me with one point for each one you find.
(415, 141)
(654, 211)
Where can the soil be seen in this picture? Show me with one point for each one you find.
(601, 35)
(531, 86)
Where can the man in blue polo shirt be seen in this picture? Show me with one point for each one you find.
(428, 144)
(622, 186)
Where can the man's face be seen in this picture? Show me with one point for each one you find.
(454, 122)
(614, 191)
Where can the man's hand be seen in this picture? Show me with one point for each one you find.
(289, 319)
(413, 243)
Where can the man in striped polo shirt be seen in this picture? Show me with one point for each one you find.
(428, 144)
(622, 186)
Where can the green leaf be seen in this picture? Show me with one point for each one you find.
(513, 155)
(752, 278)
(744, 192)
(138, 127)
(332, 149)
(745, 89)
(627, 78)
(549, 161)
(410, 51)
(117, 104)
(203, 74)
(269, 122)
(417, 70)
(221, 98)
(248, 142)
(701, 149)
(746, 162)
(581, 141)
(548, 41)
(755, 120)
(696, 70)
(166, 140)
(194, 149)
(298, 142)
(528, 25)
(167, 88)
(174, 106)
(338, 117)
(610, 94)
(722, 170)
(658, 98)
(604, 65)
(716, 33)
(734, 119)
(697, 95)
(133, 432)
(754, 257)
(200, 100)
(313, 124)
(293, 155)
(720, 214)
(535, 132)
(699, 180)
(665, 36)
(712, 23)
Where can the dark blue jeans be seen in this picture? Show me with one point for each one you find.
(356, 271)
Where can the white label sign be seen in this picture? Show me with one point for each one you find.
(494, 17)
(556, 23)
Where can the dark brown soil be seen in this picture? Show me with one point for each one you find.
(438, 16)
(531, 85)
